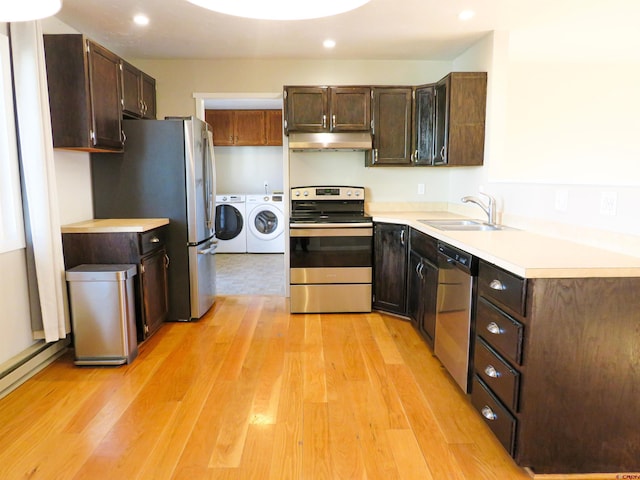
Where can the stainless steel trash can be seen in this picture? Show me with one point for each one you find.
(103, 313)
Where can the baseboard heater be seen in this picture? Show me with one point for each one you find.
(17, 370)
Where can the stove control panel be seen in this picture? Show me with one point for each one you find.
(328, 193)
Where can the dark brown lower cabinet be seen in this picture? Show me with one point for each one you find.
(557, 370)
(146, 250)
(390, 242)
(422, 284)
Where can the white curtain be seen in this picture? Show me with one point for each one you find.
(50, 319)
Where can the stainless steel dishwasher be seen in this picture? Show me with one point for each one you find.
(453, 315)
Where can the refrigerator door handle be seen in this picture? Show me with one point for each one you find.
(209, 174)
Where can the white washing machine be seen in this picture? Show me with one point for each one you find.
(231, 225)
(265, 224)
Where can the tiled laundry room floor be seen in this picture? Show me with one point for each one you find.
(250, 274)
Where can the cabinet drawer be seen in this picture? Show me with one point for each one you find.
(425, 245)
(151, 240)
(502, 286)
(499, 330)
(496, 416)
(497, 374)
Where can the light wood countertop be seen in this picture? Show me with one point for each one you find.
(523, 253)
(115, 225)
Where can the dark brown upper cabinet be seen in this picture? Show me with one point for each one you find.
(138, 93)
(460, 109)
(423, 149)
(327, 109)
(84, 94)
(391, 126)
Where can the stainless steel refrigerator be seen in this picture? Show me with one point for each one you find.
(167, 170)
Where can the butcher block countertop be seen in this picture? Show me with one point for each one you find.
(115, 225)
(527, 254)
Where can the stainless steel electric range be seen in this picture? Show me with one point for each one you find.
(331, 251)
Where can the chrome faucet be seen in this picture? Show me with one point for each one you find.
(489, 208)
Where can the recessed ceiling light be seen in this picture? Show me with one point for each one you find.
(328, 43)
(466, 15)
(141, 19)
(280, 9)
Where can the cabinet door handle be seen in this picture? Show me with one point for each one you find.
(442, 153)
(324, 121)
(488, 413)
(494, 328)
(166, 261)
(497, 285)
(124, 137)
(333, 121)
(402, 237)
(491, 371)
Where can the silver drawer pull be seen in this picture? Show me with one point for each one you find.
(497, 285)
(154, 240)
(491, 371)
(494, 328)
(488, 413)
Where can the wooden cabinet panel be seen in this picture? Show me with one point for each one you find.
(104, 85)
(306, 109)
(503, 287)
(148, 85)
(390, 267)
(245, 127)
(141, 249)
(460, 108)
(350, 109)
(153, 285)
(274, 127)
(250, 127)
(498, 418)
(221, 122)
(391, 126)
(422, 284)
(84, 94)
(423, 125)
(138, 93)
(327, 109)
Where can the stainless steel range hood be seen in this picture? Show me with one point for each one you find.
(342, 141)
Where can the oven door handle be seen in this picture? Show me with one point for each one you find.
(331, 232)
(330, 225)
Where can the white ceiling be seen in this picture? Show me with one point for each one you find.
(382, 29)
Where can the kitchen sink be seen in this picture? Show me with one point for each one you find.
(464, 225)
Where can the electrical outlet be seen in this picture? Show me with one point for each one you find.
(608, 203)
(562, 199)
(421, 189)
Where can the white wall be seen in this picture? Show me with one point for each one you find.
(73, 176)
(561, 138)
(246, 169)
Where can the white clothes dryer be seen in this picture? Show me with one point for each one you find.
(265, 224)
(231, 225)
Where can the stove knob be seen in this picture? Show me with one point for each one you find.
(297, 193)
(306, 194)
(357, 193)
(348, 193)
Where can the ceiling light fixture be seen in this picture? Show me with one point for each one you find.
(466, 15)
(24, 10)
(141, 19)
(280, 9)
(328, 43)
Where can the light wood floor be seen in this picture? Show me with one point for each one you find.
(252, 392)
